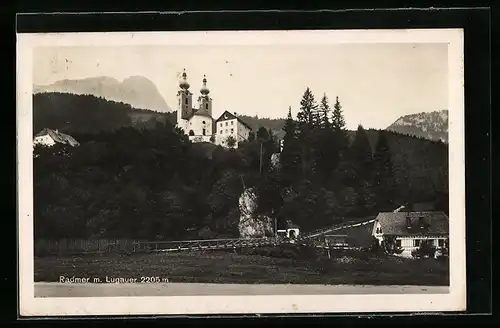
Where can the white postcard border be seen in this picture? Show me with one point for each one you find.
(454, 301)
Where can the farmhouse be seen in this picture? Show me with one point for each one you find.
(229, 125)
(49, 137)
(198, 122)
(410, 229)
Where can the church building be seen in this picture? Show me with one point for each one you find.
(199, 124)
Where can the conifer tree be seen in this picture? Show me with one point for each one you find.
(306, 122)
(290, 156)
(338, 125)
(338, 121)
(361, 156)
(324, 108)
(307, 113)
(383, 181)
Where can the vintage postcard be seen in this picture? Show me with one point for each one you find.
(241, 172)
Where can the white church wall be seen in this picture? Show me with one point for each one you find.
(201, 125)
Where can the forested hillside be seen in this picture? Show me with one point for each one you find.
(155, 184)
(89, 114)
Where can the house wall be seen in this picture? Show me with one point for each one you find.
(242, 132)
(225, 129)
(409, 244)
(199, 122)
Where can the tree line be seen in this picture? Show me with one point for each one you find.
(153, 183)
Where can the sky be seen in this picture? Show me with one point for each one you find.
(376, 83)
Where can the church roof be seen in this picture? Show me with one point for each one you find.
(198, 113)
(228, 116)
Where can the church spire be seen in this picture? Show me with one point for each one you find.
(204, 90)
(183, 83)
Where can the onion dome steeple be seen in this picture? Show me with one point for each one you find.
(183, 83)
(204, 90)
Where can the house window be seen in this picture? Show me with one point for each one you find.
(416, 243)
(232, 130)
(232, 122)
(440, 242)
(226, 130)
(220, 132)
(226, 123)
(398, 242)
(221, 125)
(378, 230)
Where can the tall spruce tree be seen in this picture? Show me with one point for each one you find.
(290, 155)
(324, 108)
(338, 125)
(383, 181)
(308, 112)
(306, 118)
(361, 156)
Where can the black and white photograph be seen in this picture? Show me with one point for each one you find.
(241, 172)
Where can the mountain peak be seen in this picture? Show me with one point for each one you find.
(429, 125)
(137, 91)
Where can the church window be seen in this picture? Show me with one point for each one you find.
(204, 132)
(186, 101)
(206, 106)
(203, 122)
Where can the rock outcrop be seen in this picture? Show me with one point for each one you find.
(252, 225)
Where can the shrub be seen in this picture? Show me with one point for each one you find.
(389, 245)
(426, 250)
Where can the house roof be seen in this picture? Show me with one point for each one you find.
(58, 137)
(228, 116)
(437, 223)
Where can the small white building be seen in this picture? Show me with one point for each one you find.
(291, 231)
(49, 137)
(410, 229)
(230, 126)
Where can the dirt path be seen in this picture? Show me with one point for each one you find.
(56, 289)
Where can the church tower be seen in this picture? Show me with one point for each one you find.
(204, 101)
(184, 101)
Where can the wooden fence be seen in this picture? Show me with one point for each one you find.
(80, 246)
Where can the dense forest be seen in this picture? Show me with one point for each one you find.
(73, 113)
(151, 182)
